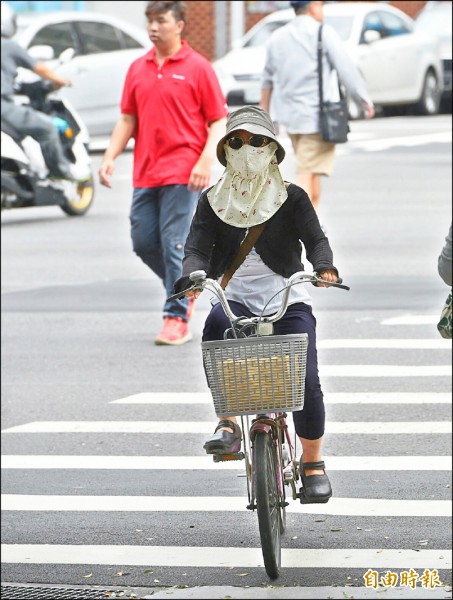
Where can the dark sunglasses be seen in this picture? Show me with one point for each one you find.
(257, 141)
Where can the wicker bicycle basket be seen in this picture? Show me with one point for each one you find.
(256, 374)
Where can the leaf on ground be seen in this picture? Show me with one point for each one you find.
(88, 576)
(121, 574)
(147, 571)
(241, 574)
(336, 529)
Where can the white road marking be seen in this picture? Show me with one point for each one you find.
(388, 343)
(329, 398)
(365, 507)
(194, 556)
(191, 463)
(183, 427)
(413, 320)
(377, 145)
(385, 371)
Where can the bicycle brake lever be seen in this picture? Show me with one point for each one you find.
(181, 294)
(338, 283)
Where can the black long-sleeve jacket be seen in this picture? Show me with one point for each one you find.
(212, 245)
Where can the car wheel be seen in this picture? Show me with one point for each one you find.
(430, 97)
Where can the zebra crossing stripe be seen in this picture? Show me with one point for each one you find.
(378, 145)
(195, 556)
(388, 343)
(329, 398)
(195, 427)
(412, 320)
(364, 507)
(385, 370)
(197, 463)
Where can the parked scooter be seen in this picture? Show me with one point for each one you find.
(25, 180)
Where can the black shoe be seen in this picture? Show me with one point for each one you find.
(316, 488)
(224, 442)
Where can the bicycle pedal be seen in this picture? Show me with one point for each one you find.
(227, 457)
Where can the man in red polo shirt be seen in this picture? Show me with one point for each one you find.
(173, 107)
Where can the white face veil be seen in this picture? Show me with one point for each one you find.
(251, 189)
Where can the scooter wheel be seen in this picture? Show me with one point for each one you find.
(79, 201)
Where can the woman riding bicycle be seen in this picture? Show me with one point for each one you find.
(252, 196)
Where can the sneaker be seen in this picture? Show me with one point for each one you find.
(174, 332)
(190, 308)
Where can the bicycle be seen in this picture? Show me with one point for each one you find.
(253, 372)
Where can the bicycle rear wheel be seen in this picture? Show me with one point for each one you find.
(267, 502)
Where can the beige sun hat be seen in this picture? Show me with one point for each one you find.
(254, 120)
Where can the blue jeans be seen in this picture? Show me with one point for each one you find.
(310, 421)
(160, 221)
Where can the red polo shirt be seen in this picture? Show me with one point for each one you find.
(174, 104)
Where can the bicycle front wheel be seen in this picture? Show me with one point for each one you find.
(267, 501)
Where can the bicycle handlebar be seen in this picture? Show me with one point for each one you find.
(201, 282)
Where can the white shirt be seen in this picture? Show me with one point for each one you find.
(291, 69)
(254, 284)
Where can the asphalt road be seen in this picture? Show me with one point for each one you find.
(133, 501)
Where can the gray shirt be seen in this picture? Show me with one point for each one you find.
(445, 260)
(292, 70)
(13, 56)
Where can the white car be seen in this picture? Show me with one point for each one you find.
(401, 65)
(436, 19)
(104, 49)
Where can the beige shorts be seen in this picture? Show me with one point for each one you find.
(313, 155)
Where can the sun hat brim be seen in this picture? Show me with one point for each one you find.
(251, 128)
